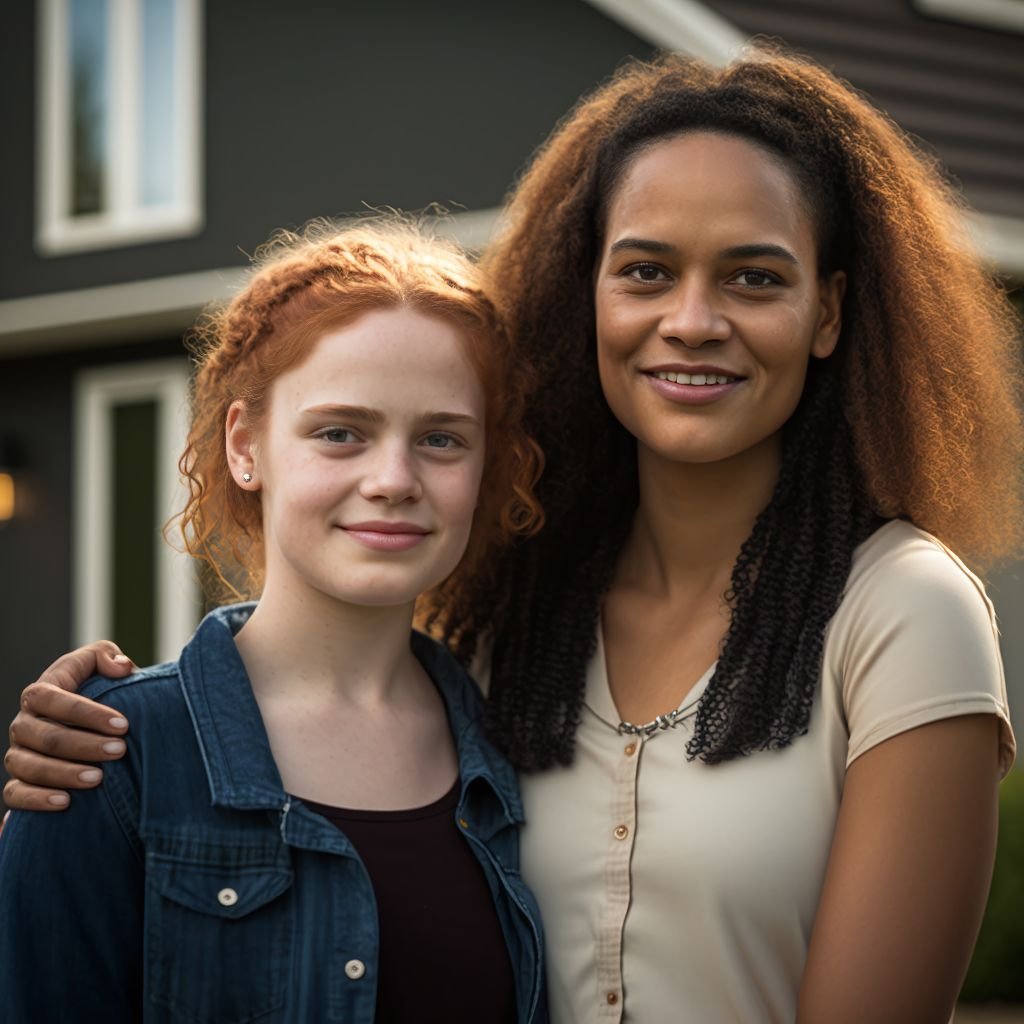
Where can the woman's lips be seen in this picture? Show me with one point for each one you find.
(691, 394)
(386, 536)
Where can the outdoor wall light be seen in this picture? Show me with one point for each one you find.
(11, 465)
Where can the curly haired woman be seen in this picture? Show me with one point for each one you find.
(309, 803)
(756, 697)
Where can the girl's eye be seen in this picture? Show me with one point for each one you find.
(647, 273)
(755, 278)
(338, 435)
(440, 441)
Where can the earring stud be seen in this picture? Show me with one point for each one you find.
(247, 477)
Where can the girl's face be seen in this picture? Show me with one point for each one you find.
(708, 300)
(369, 460)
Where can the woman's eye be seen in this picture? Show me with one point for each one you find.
(648, 273)
(755, 278)
(442, 442)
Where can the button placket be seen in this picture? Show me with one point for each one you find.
(618, 885)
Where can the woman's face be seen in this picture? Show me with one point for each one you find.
(708, 300)
(369, 460)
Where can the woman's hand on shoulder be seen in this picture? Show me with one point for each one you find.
(908, 877)
(56, 730)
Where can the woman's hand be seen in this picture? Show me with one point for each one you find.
(56, 730)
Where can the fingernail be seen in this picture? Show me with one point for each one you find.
(122, 659)
(57, 800)
(118, 723)
(90, 775)
(113, 746)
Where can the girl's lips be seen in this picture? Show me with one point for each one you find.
(691, 394)
(385, 538)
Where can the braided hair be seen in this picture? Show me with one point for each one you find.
(915, 415)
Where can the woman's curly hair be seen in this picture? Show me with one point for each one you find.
(916, 415)
(301, 286)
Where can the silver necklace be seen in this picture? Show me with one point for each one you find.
(667, 721)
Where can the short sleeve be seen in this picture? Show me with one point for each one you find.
(915, 641)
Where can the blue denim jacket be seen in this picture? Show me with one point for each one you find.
(191, 887)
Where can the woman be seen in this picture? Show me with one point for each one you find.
(758, 698)
(346, 848)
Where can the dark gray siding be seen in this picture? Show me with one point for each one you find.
(959, 88)
(316, 108)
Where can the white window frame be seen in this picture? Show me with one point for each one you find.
(1007, 15)
(177, 598)
(124, 219)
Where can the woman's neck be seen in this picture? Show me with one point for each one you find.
(693, 518)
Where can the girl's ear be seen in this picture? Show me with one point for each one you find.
(830, 320)
(240, 446)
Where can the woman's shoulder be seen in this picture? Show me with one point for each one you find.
(914, 639)
(145, 684)
(901, 563)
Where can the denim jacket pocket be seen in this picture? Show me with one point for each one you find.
(219, 932)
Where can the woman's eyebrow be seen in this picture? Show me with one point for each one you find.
(759, 250)
(351, 412)
(647, 244)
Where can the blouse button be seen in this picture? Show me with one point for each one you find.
(621, 832)
(630, 749)
(612, 997)
(355, 969)
(227, 897)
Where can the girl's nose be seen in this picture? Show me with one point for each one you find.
(392, 476)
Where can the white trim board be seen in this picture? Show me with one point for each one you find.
(1005, 15)
(139, 310)
(684, 25)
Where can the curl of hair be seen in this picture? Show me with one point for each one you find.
(916, 415)
(303, 285)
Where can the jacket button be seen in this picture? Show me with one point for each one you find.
(227, 897)
(355, 969)
(621, 831)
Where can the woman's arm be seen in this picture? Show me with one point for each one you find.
(56, 730)
(907, 877)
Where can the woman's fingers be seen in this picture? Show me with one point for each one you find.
(44, 700)
(43, 736)
(103, 657)
(19, 796)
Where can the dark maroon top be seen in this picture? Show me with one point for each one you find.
(443, 956)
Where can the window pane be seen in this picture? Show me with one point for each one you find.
(135, 532)
(157, 109)
(90, 102)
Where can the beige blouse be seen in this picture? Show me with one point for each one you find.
(673, 891)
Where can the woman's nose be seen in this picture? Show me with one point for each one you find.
(692, 315)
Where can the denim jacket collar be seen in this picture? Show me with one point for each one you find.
(236, 752)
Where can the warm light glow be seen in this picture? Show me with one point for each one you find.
(6, 497)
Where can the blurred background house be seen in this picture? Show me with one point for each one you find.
(152, 144)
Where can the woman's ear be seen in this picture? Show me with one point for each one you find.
(830, 321)
(240, 446)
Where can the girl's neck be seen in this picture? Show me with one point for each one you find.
(693, 518)
(303, 642)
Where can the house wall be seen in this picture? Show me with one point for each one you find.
(958, 86)
(36, 406)
(324, 108)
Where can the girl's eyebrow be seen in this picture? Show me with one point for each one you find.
(363, 414)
